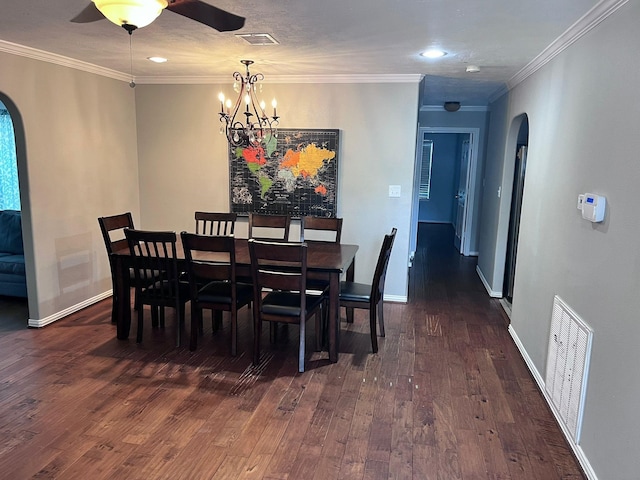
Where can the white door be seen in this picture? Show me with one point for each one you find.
(461, 197)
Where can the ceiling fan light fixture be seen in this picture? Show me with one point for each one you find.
(138, 13)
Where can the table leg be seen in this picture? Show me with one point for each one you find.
(122, 299)
(334, 316)
(350, 276)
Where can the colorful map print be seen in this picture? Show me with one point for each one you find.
(295, 173)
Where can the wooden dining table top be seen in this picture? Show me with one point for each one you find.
(321, 256)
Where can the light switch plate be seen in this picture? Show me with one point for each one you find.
(394, 191)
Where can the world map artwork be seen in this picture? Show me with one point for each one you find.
(295, 173)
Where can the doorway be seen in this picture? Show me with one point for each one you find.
(460, 192)
(515, 211)
(15, 309)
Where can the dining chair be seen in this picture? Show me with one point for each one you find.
(323, 229)
(269, 227)
(279, 272)
(215, 223)
(370, 296)
(155, 264)
(212, 282)
(112, 228)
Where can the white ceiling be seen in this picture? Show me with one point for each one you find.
(341, 38)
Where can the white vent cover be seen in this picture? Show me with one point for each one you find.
(568, 366)
(258, 38)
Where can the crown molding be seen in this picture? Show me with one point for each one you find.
(272, 79)
(35, 54)
(587, 22)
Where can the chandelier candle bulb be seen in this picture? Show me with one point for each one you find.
(221, 98)
(274, 104)
(257, 128)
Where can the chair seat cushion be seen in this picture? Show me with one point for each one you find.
(162, 288)
(355, 292)
(288, 303)
(220, 292)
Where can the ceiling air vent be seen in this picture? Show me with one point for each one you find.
(258, 38)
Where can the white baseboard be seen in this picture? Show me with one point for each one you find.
(492, 293)
(38, 323)
(577, 450)
(395, 298)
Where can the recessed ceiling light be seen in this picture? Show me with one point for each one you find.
(433, 53)
(157, 59)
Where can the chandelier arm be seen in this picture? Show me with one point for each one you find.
(257, 125)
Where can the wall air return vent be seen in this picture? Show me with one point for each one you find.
(568, 366)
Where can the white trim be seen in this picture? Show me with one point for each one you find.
(273, 79)
(576, 31)
(34, 53)
(395, 298)
(38, 323)
(492, 293)
(577, 450)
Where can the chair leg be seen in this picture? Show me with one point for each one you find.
(349, 314)
(301, 348)
(372, 327)
(381, 317)
(257, 332)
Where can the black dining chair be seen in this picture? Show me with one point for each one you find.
(269, 227)
(212, 282)
(157, 275)
(370, 296)
(279, 272)
(320, 229)
(112, 228)
(215, 223)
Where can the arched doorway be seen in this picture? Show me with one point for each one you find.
(517, 192)
(14, 185)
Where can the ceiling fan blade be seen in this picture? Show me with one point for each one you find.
(214, 17)
(89, 14)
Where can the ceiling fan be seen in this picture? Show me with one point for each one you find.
(132, 14)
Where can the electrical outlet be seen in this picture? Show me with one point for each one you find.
(394, 191)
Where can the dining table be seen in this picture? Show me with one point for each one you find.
(328, 260)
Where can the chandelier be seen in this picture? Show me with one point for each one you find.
(258, 128)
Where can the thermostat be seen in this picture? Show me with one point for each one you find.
(593, 207)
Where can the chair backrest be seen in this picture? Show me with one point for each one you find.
(379, 276)
(278, 266)
(203, 267)
(215, 223)
(260, 224)
(112, 229)
(322, 224)
(154, 257)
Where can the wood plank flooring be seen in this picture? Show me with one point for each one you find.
(447, 397)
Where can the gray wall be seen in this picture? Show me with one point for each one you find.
(583, 119)
(77, 160)
(184, 165)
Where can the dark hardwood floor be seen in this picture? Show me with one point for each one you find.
(447, 397)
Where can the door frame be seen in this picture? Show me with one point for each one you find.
(469, 219)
